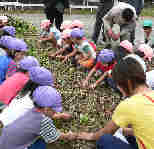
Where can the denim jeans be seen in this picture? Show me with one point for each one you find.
(108, 141)
(39, 144)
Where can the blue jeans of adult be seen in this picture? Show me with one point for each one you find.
(39, 144)
(108, 141)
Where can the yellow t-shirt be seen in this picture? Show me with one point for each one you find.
(138, 111)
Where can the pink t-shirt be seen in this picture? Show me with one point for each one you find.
(11, 86)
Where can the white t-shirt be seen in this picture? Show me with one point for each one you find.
(85, 47)
(17, 108)
(120, 135)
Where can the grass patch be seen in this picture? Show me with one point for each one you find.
(148, 11)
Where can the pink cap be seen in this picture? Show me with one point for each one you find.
(45, 24)
(66, 25)
(66, 33)
(127, 45)
(77, 23)
(147, 50)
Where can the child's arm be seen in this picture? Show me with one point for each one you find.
(112, 35)
(64, 116)
(50, 134)
(127, 132)
(61, 50)
(85, 82)
(86, 57)
(99, 80)
(110, 128)
(54, 115)
(51, 36)
(68, 136)
(70, 55)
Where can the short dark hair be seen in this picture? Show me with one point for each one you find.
(30, 86)
(139, 53)
(22, 70)
(127, 14)
(128, 69)
(120, 52)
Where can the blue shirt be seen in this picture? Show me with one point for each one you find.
(4, 62)
(56, 32)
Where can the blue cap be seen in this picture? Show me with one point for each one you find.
(47, 96)
(41, 76)
(147, 23)
(77, 33)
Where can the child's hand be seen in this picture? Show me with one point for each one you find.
(59, 56)
(66, 116)
(65, 59)
(71, 136)
(116, 36)
(85, 136)
(93, 86)
(84, 83)
(49, 113)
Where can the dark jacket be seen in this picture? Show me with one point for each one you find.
(53, 3)
(106, 1)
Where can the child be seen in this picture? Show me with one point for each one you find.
(11, 86)
(24, 130)
(105, 63)
(87, 52)
(64, 26)
(3, 21)
(134, 111)
(147, 27)
(123, 50)
(6, 31)
(9, 30)
(67, 50)
(16, 50)
(38, 76)
(145, 51)
(49, 34)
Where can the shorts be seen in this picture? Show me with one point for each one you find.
(108, 141)
(39, 144)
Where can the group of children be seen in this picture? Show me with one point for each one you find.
(30, 101)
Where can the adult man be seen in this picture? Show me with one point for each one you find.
(103, 8)
(125, 16)
(138, 4)
(54, 10)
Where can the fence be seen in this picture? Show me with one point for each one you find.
(19, 5)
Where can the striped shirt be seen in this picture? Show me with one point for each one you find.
(48, 130)
(12, 68)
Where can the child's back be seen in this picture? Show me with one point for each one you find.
(11, 86)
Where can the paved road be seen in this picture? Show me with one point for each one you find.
(88, 20)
